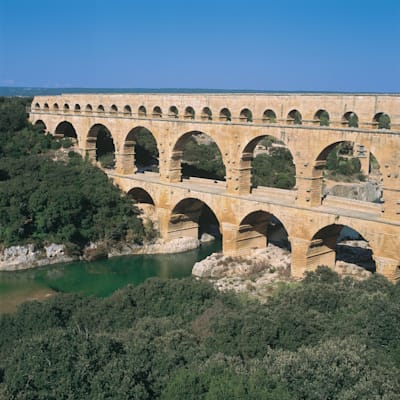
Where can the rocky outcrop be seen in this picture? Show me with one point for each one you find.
(24, 257)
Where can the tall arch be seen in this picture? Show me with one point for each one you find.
(350, 171)
(66, 130)
(139, 152)
(266, 161)
(259, 229)
(192, 217)
(338, 245)
(100, 146)
(196, 154)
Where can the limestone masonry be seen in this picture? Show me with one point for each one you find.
(236, 122)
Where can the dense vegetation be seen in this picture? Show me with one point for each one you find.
(66, 201)
(323, 338)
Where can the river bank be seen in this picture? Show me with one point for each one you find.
(17, 258)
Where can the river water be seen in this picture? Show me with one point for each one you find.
(99, 278)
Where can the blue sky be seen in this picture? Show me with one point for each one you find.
(325, 45)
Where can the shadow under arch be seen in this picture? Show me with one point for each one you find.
(40, 125)
(338, 245)
(192, 218)
(66, 130)
(196, 154)
(100, 145)
(140, 196)
(266, 162)
(258, 229)
(140, 151)
(349, 170)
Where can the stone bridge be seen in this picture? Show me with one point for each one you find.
(310, 125)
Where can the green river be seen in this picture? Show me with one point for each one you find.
(99, 278)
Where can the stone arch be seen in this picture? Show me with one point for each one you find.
(142, 112)
(113, 109)
(173, 112)
(100, 109)
(189, 113)
(321, 118)
(46, 106)
(206, 114)
(141, 196)
(337, 242)
(39, 124)
(272, 150)
(37, 106)
(77, 108)
(350, 119)
(225, 115)
(66, 130)
(269, 117)
(190, 218)
(66, 107)
(100, 146)
(191, 168)
(127, 110)
(246, 115)
(157, 112)
(139, 152)
(381, 120)
(56, 107)
(88, 108)
(350, 155)
(294, 117)
(257, 230)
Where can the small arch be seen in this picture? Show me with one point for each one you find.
(127, 110)
(206, 114)
(321, 118)
(294, 117)
(56, 107)
(225, 115)
(41, 126)
(77, 108)
(337, 246)
(246, 115)
(66, 130)
(157, 112)
(46, 106)
(113, 109)
(88, 108)
(142, 112)
(141, 196)
(192, 217)
(269, 117)
(173, 112)
(350, 119)
(100, 109)
(381, 121)
(66, 107)
(37, 106)
(189, 113)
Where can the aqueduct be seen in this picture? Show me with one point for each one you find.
(308, 124)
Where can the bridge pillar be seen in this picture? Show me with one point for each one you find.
(174, 173)
(391, 207)
(124, 163)
(229, 236)
(309, 185)
(239, 177)
(299, 248)
(388, 267)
